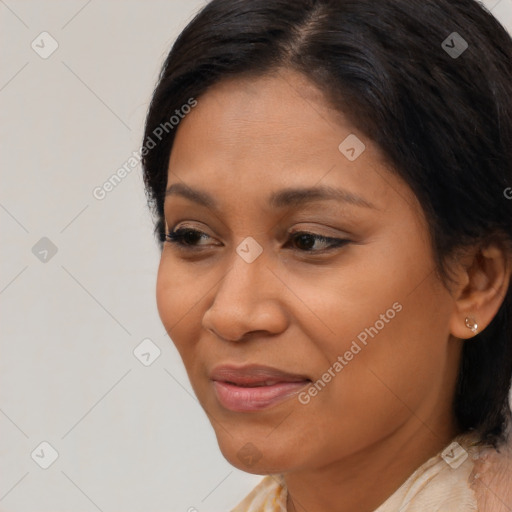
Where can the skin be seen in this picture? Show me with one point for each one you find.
(389, 409)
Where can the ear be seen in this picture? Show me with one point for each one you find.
(483, 280)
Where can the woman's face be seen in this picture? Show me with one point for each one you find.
(355, 334)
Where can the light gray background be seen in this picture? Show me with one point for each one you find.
(129, 437)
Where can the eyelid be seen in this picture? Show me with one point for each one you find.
(298, 227)
(174, 237)
(334, 232)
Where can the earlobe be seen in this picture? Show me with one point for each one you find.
(486, 282)
(464, 327)
(471, 324)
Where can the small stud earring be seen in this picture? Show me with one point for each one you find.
(471, 324)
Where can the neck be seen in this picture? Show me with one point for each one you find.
(364, 480)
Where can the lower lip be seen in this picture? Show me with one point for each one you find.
(244, 399)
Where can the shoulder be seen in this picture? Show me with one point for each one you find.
(268, 496)
(491, 479)
(467, 475)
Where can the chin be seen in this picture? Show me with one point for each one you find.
(259, 457)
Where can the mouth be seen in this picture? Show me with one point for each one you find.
(254, 387)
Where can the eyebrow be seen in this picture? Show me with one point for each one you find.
(280, 199)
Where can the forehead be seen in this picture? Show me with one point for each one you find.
(276, 110)
(252, 136)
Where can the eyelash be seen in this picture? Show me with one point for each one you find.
(177, 237)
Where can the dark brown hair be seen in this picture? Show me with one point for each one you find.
(443, 120)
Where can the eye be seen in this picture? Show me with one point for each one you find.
(187, 239)
(307, 240)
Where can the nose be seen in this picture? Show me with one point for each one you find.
(248, 300)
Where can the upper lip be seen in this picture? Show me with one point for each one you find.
(253, 374)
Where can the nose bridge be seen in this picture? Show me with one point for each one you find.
(247, 274)
(245, 299)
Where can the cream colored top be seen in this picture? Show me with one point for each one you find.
(464, 477)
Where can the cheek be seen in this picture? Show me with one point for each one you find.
(399, 367)
(178, 301)
(167, 295)
(390, 324)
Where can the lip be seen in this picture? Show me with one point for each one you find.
(254, 387)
